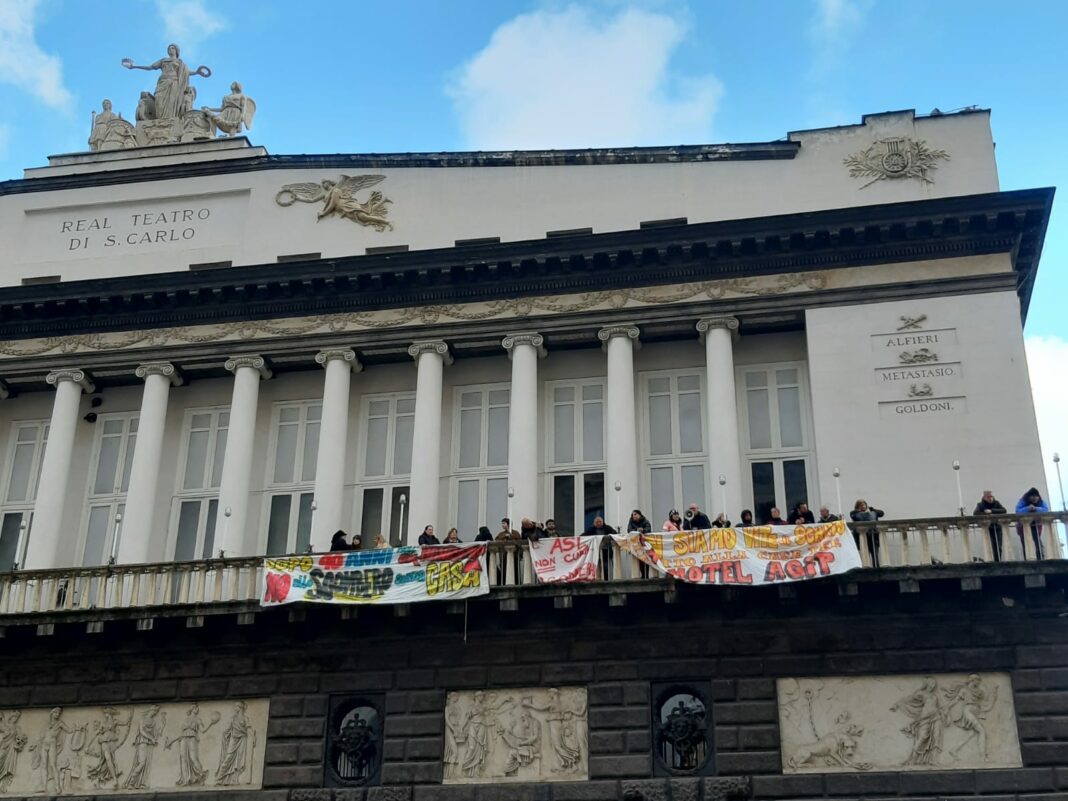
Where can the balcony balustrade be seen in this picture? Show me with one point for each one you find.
(191, 588)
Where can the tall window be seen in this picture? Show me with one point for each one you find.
(116, 436)
(386, 464)
(20, 487)
(291, 485)
(576, 453)
(776, 436)
(204, 444)
(481, 454)
(674, 443)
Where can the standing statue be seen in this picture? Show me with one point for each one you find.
(236, 109)
(12, 741)
(111, 735)
(100, 125)
(191, 771)
(924, 708)
(172, 83)
(149, 733)
(238, 743)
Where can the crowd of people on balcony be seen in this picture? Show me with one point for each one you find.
(1031, 502)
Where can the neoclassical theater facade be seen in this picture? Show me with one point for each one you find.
(305, 341)
(210, 355)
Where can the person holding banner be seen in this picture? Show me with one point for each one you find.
(673, 522)
(638, 523)
(802, 514)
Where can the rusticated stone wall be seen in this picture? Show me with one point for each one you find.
(739, 644)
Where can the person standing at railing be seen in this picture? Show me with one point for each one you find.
(862, 513)
(1031, 503)
(381, 542)
(802, 514)
(826, 516)
(721, 521)
(696, 520)
(484, 534)
(428, 538)
(775, 518)
(452, 537)
(639, 523)
(989, 505)
(530, 531)
(745, 520)
(550, 528)
(673, 522)
(507, 533)
(338, 542)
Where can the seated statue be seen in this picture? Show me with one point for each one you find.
(237, 109)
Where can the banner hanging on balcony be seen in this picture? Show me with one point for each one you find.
(381, 576)
(747, 556)
(560, 559)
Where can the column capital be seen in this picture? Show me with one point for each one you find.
(165, 369)
(342, 354)
(73, 375)
(257, 363)
(631, 332)
(532, 338)
(438, 346)
(725, 321)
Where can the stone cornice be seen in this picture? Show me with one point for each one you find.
(166, 369)
(339, 354)
(435, 346)
(257, 363)
(1006, 222)
(75, 376)
(524, 338)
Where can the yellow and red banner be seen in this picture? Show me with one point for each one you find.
(752, 556)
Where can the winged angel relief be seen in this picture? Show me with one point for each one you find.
(339, 198)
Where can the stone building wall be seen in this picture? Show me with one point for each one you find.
(740, 643)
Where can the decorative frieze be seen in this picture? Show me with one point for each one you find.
(527, 735)
(110, 750)
(948, 721)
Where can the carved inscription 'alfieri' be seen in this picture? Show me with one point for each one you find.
(516, 736)
(156, 747)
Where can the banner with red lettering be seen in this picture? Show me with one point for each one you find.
(565, 558)
(747, 556)
(380, 576)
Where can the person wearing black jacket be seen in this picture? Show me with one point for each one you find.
(337, 542)
(695, 519)
(775, 517)
(639, 523)
(484, 534)
(826, 516)
(989, 505)
(802, 514)
(529, 530)
(862, 513)
(599, 528)
(428, 538)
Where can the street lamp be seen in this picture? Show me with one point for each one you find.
(115, 540)
(960, 495)
(1060, 486)
(402, 531)
(619, 508)
(838, 488)
(227, 512)
(723, 495)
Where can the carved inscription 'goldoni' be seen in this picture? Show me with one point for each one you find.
(146, 748)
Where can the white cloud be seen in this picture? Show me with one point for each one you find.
(189, 22)
(577, 78)
(22, 61)
(1046, 359)
(837, 21)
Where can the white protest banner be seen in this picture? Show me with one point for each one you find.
(747, 556)
(564, 559)
(379, 576)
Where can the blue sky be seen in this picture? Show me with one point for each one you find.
(360, 76)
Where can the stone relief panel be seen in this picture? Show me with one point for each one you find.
(523, 735)
(948, 721)
(132, 749)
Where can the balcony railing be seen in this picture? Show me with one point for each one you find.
(188, 585)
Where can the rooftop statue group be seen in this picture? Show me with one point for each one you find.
(168, 115)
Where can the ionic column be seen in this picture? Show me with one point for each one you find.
(621, 448)
(524, 350)
(339, 365)
(237, 459)
(722, 410)
(135, 543)
(430, 360)
(47, 547)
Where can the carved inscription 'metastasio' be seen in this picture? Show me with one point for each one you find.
(133, 748)
(526, 735)
(947, 721)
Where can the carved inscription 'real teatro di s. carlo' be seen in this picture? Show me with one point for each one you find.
(104, 750)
